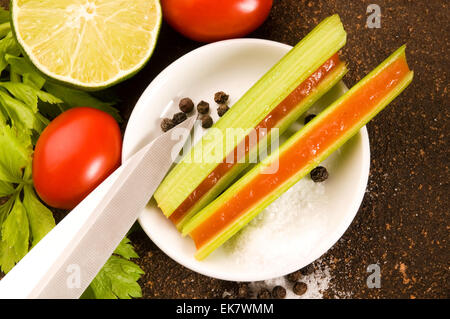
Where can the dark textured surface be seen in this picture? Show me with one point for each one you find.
(403, 223)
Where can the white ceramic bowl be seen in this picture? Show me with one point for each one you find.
(233, 66)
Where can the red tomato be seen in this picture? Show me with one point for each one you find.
(213, 20)
(74, 154)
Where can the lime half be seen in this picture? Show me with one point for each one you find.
(89, 44)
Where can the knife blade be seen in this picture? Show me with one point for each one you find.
(67, 259)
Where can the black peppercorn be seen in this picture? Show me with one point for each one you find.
(207, 121)
(294, 277)
(264, 294)
(186, 105)
(278, 292)
(319, 174)
(203, 107)
(221, 97)
(300, 288)
(309, 118)
(167, 124)
(221, 110)
(179, 118)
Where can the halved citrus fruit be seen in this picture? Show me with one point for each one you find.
(90, 44)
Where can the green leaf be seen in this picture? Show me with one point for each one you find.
(15, 154)
(15, 234)
(40, 123)
(33, 79)
(23, 92)
(50, 111)
(126, 250)
(4, 15)
(29, 95)
(100, 288)
(75, 98)
(6, 189)
(117, 279)
(48, 98)
(20, 114)
(5, 28)
(40, 217)
(22, 66)
(3, 116)
(8, 47)
(5, 209)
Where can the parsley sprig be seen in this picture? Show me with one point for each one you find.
(27, 104)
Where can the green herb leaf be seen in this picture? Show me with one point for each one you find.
(5, 28)
(47, 97)
(74, 98)
(29, 95)
(21, 115)
(6, 189)
(4, 15)
(40, 217)
(15, 154)
(14, 237)
(4, 210)
(40, 123)
(33, 79)
(3, 116)
(23, 92)
(118, 278)
(22, 66)
(126, 250)
(8, 47)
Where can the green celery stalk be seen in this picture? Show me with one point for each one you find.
(247, 216)
(295, 67)
(328, 82)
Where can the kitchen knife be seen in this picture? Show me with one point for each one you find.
(67, 259)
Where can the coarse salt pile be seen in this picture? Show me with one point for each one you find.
(285, 231)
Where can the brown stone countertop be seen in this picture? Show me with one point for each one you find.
(403, 223)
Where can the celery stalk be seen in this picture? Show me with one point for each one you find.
(295, 67)
(330, 81)
(253, 212)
